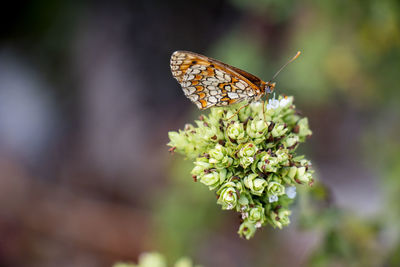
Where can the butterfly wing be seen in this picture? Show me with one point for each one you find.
(208, 82)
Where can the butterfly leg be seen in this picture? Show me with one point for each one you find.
(237, 112)
(263, 110)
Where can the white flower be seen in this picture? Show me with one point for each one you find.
(291, 192)
(284, 101)
(245, 215)
(273, 104)
(258, 224)
(273, 198)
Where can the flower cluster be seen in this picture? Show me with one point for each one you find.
(249, 159)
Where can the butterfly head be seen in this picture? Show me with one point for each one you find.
(269, 87)
(265, 88)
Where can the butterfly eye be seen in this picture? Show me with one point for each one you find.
(269, 87)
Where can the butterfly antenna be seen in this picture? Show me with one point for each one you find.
(287, 63)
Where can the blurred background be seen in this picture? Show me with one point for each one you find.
(87, 100)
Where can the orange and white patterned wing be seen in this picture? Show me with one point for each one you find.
(208, 82)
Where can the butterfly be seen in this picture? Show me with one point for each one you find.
(208, 82)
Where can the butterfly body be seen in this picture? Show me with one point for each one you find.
(208, 82)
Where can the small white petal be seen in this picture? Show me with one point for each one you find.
(273, 104)
(284, 102)
(273, 198)
(291, 192)
(258, 224)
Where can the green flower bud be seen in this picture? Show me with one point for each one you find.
(255, 184)
(180, 142)
(215, 115)
(288, 174)
(281, 218)
(227, 196)
(268, 163)
(282, 156)
(256, 129)
(219, 157)
(177, 139)
(304, 162)
(214, 179)
(257, 108)
(184, 262)
(243, 203)
(275, 189)
(279, 130)
(292, 172)
(248, 150)
(210, 134)
(218, 154)
(304, 130)
(246, 112)
(247, 230)
(231, 115)
(152, 259)
(246, 154)
(239, 186)
(201, 164)
(235, 132)
(246, 161)
(290, 140)
(300, 172)
(302, 175)
(257, 215)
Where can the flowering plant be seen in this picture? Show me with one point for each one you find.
(248, 158)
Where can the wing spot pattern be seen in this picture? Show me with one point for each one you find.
(207, 82)
(213, 92)
(196, 71)
(199, 88)
(191, 89)
(240, 85)
(193, 97)
(212, 99)
(233, 95)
